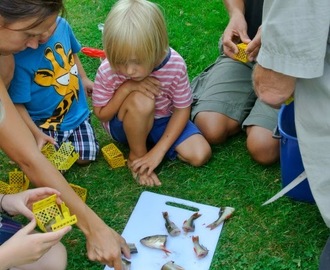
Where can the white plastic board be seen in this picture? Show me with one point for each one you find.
(147, 219)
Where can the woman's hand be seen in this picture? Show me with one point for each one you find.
(21, 203)
(29, 246)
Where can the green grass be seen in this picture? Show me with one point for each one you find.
(283, 235)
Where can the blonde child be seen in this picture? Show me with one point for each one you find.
(142, 94)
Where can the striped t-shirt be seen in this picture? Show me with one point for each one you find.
(176, 91)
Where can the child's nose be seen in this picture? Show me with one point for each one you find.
(130, 69)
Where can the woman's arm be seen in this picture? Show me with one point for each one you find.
(16, 140)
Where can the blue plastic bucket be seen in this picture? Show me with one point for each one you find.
(291, 163)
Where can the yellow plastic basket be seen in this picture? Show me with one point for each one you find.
(113, 156)
(4, 187)
(241, 55)
(18, 182)
(82, 192)
(48, 150)
(50, 217)
(63, 158)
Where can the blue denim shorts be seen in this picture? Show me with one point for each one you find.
(118, 134)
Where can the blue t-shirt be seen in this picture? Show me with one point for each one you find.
(47, 82)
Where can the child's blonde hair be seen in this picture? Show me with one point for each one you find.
(135, 28)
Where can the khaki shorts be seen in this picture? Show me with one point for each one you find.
(226, 87)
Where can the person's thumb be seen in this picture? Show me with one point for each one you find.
(244, 37)
(27, 213)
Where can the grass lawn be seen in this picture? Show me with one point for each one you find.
(283, 235)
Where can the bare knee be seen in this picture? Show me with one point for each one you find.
(141, 104)
(216, 127)
(201, 157)
(263, 148)
(195, 150)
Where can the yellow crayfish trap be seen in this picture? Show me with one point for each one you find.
(241, 55)
(51, 217)
(63, 158)
(113, 156)
(18, 182)
(81, 192)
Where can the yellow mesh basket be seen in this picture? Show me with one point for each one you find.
(81, 192)
(4, 187)
(63, 158)
(241, 55)
(18, 182)
(113, 156)
(48, 150)
(50, 217)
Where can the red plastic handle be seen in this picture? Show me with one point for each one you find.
(93, 52)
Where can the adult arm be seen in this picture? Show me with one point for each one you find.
(293, 46)
(236, 30)
(40, 137)
(7, 68)
(16, 140)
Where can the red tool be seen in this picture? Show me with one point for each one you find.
(93, 52)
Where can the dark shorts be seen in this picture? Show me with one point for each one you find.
(8, 227)
(118, 134)
(83, 139)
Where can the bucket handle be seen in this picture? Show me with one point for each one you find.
(276, 133)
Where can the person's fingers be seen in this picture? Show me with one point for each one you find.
(28, 228)
(125, 250)
(54, 237)
(27, 213)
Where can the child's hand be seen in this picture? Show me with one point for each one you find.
(148, 162)
(42, 139)
(149, 86)
(88, 86)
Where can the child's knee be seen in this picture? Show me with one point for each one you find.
(201, 157)
(197, 157)
(141, 104)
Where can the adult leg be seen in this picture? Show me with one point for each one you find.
(259, 125)
(216, 127)
(223, 98)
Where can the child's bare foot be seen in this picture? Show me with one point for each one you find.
(148, 180)
(143, 179)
